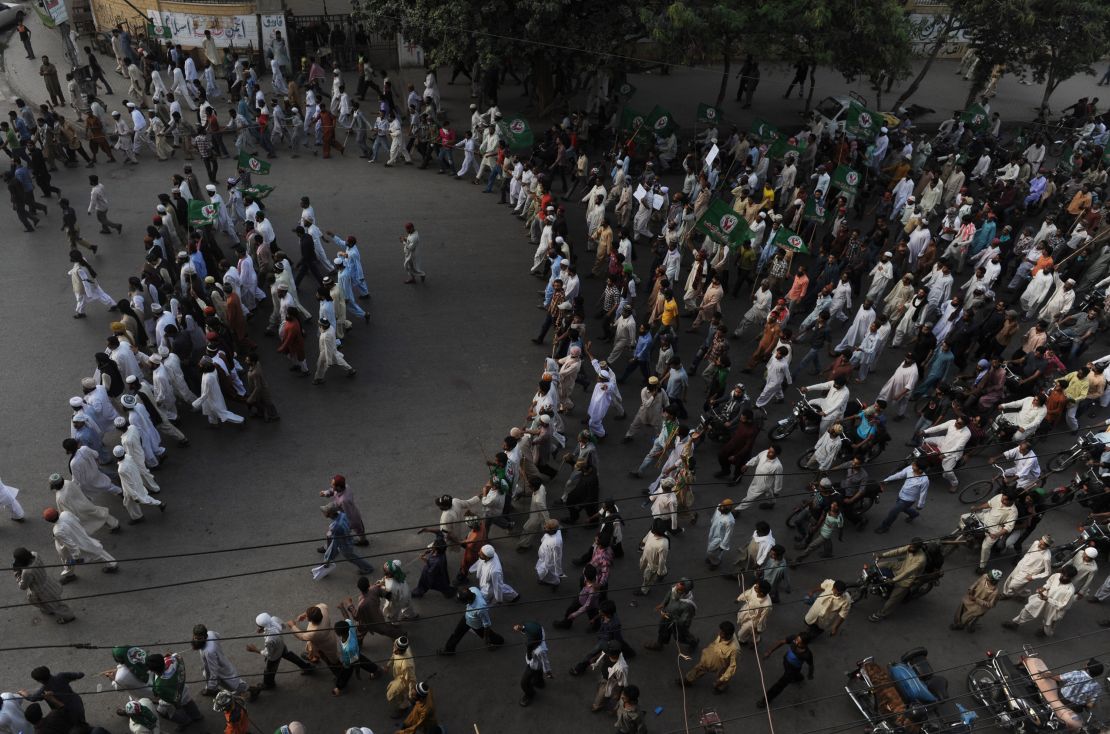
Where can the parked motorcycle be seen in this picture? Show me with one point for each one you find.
(1082, 485)
(906, 696)
(803, 415)
(1009, 692)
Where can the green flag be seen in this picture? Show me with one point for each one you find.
(861, 122)
(1066, 161)
(976, 118)
(258, 191)
(660, 122)
(764, 130)
(633, 123)
(709, 114)
(815, 211)
(517, 133)
(723, 225)
(201, 214)
(791, 241)
(846, 180)
(626, 90)
(253, 164)
(783, 147)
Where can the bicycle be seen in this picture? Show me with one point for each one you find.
(984, 488)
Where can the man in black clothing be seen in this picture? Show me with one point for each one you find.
(19, 202)
(55, 690)
(69, 226)
(609, 628)
(309, 262)
(96, 72)
(55, 722)
(797, 655)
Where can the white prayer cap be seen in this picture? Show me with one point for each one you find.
(882, 129)
(163, 351)
(131, 379)
(910, 198)
(263, 619)
(129, 401)
(210, 188)
(115, 113)
(550, 207)
(560, 240)
(1091, 553)
(156, 358)
(88, 383)
(797, 202)
(1070, 281)
(120, 422)
(888, 253)
(564, 306)
(130, 105)
(488, 551)
(76, 402)
(161, 208)
(156, 307)
(119, 452)
(338, 261)
(279, 265)
(763, 215)
(667, 483)
(545, 419)
(664, 189)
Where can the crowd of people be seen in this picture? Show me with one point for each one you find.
(988, 279)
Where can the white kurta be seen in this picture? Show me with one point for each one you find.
(85, 468)
(859, 328)
(720, 531)
(100, 408)
(881, 275)
(211, 401)
(766, 476)
(137, 444)
(72, 542)
(904, 380)
(491, 581)
(1035, 564)
(135, 486)
(1036, 291)
(71, 499)
(549, 563)
(1050, 610)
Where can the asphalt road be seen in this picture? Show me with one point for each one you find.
(445, 369)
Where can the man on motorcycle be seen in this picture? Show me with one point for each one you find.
(852, 487)
(905, 574)
(831, 407)
(997, 516)
(1080, 328)
(1030, 412)
(738, 449)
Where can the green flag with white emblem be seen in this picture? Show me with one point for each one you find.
(660, 122)
(815, 211)
(846, 180)
(709, 115)
(976, 118)
(253, 164)
(201, 214)
(764, 130)
(723, 225)
(516, 132)
(789, 240)
(861, 122)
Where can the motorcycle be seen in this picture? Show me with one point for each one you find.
(847, 452)
(1015, 694)
(718, 422)
(804, 414)
(1082, 485)
(906, 696)
(1090, 532)
(1086, 445)
(971, 534)
(874, 580)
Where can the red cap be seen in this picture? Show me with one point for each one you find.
(351, 240)
(50, 514)
(211, 336)
(339, 480)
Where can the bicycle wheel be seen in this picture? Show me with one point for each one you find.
(977, 491)
(1060, 462)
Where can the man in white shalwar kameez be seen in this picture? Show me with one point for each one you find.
(1035, 564)
(139, 418)
(1037, 290)
(1048, 604)
(766, 478)
(73, 544)
(70, 498)
(84, 466)
(1060, 303)
(664, 504)
(896, 391)
(720, 533)
(939, 283)
(834, 403)
(951, 444)
(761, 308)
(135, 486)
(133, 440)
(98, 405)
(841, 299)
(549, 562)
(172, 364)
(9, 502)
(777, 375)
(881, 275)
(605, 394)
(211, 400)
(491, 578)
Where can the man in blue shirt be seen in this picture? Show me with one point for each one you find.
(641, 355)
(339, 539)
(911, 497)
(23, 175)
(475, 619)
(1081, 687)
(676, 381)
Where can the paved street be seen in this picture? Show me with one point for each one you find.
(445, 369)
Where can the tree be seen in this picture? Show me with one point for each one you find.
(703, 35)
(552, 40)
(1071, 35)
(942, 30)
